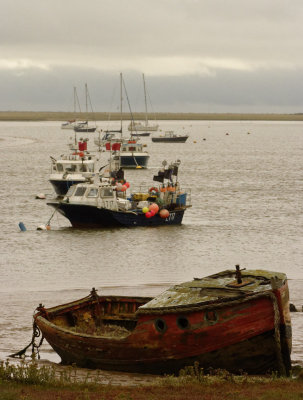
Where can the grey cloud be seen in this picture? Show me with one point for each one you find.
(227, 91)
(205, 42)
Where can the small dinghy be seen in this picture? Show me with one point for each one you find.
(233, 320)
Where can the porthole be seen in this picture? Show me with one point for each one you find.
(160, 325)
(182, 322)
(211, 317)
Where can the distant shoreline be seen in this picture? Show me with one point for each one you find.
(102, 116)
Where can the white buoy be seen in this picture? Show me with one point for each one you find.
(43, 228)
(40, 196)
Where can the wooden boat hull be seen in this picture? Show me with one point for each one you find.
(256, 355)
(251, 335)
(85, 216)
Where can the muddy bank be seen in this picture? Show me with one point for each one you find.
(103, 116)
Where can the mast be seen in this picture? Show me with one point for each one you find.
(121, 103)
(86, 101)
(146, 122)
(75, 101)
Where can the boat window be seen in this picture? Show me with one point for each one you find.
(70, 167)
(182, 322)
(211, 317)
(71, 191)
(160, 325)
(83, 168)
(59, 167)
(132, 148)
(106, 192)
(80, 191)
(93, 192)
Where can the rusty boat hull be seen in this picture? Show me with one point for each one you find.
(213, 321)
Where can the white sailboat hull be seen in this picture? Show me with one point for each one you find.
(140, 127)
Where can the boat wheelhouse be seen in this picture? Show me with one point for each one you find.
(72, 168)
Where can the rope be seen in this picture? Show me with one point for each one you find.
(35, 347)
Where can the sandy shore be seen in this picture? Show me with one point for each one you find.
(103, 116)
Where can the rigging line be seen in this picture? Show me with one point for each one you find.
(153, 111)
(130, 110)
(135, 160)
(77, 100)
(90, 103)
(111, 107)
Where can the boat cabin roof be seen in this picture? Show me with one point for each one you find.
(214, 288)
(76, 159)
(103, 189)
(131, 145)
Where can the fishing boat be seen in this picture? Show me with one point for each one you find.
(145, 127)
(108, 201)
(76, 166)
(237, 320)
(170, 137)
(132, 154)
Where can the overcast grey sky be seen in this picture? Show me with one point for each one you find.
(197, 55)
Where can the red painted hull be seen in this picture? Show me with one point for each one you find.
(247, 328)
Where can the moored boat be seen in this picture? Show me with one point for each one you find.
(106, 201)
(77, 166)
(170, 137)
(68, 124)
(146, 127)
(84, 127)
(132, 154)
(238, 321)
(139, 126)
(140, 134)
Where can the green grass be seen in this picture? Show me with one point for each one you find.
(29, 381)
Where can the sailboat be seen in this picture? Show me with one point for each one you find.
(72, 123)
(134, 127)
(84, 126)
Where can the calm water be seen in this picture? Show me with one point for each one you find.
(247, 210)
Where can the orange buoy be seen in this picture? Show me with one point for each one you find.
(164, 213)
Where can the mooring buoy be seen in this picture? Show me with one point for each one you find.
(40, 196)
(22, 226)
